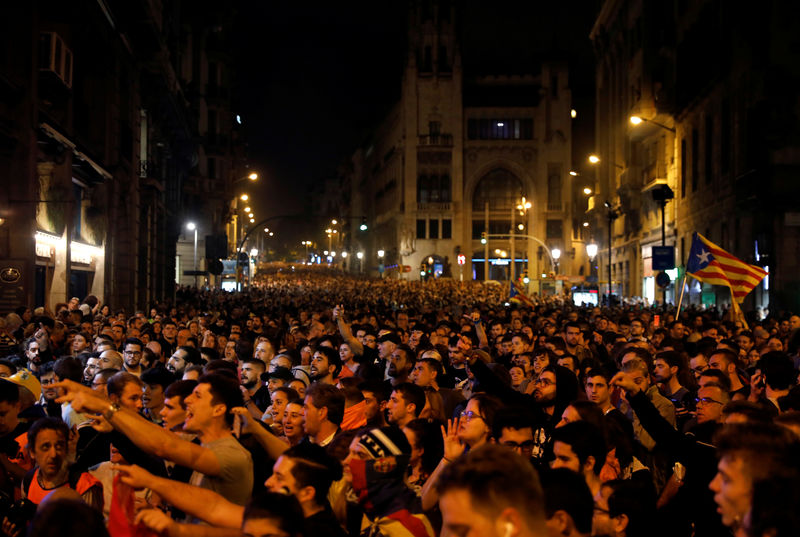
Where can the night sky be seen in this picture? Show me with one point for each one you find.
(313, 80)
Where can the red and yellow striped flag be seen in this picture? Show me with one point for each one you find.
(711, 264)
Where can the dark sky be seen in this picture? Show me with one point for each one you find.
(313, 78)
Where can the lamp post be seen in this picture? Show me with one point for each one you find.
(612, 213)
(360, 256)
(191, 226)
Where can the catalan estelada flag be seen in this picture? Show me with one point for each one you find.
(517, 295)
(711, 264)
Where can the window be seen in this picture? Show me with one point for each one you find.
(211, 166)
(433, 229)
(423, 189)
(553, 184)
(447, 228)
(695, 159)
(77, 193)
(434, 128)
(433, 188)
(500, 188)
(683, 168)
(427, 60)
(555, 229)
(420, 229)
(444, 63)
(500, 129)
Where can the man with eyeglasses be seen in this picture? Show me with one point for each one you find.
(132, 355)
(688, 497)
(512, 428)
(697, 364)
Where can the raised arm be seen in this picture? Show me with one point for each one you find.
(273, 445)
(195, 501)
(145, 434)
(346, 332)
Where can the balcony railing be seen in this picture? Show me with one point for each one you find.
(434, 206)
(555, 207)
(436, 139)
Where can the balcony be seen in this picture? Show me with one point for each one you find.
(555, 207)
(434, 206)
(441, 140)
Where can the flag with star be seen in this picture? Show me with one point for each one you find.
(517, 296)
(711, 264)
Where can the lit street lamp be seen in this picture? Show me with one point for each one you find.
(556, 253)
(192, 227)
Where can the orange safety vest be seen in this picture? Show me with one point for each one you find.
(36, 493)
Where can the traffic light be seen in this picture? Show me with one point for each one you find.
(483, 237)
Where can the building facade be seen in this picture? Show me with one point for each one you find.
(709, 83)
(453, 160)
(100, 149)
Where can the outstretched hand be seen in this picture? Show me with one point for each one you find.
(82, 398)
(134, 476)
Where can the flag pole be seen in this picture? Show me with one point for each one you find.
(680, 299)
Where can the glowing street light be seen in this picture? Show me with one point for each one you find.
(636, 120)
(244, 197)
(587, 190)
(594, 159)
(191, 226)
(344, 255)
(247, 209)
(381, 253)
(556, 253)
(591, 250)
(573, 173)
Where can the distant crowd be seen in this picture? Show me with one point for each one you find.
(313, 405)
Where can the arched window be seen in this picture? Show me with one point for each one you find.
(500, 188)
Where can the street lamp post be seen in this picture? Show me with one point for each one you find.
(191, 226)
(612, 214)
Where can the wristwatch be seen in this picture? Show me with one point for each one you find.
(112, 409)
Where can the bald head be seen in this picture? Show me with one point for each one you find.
(109, 360)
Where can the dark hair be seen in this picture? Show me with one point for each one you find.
(752, 411)
(314, 467)
(224, 390)
(376, 387)
(10, 365)
(133, 341)
(52, 424)
(210, 352)
(291, 393)
(333, 359)
(496, 478)
(256, 362)
(565, 490)
(116, 384)
(767, 450)
(192, 355)
(778, 369)
(60, 517)
(774, 510)
(221, 366)
(635, 498)
(9, 392)
(510, 418)
(488, 405)
(157, 375)
(68, 367)
(412, 394)
(325, 395)
(720, 378)
(182, 389)
(585, 439)
(434, 364)
(589, 412)
(429, 437)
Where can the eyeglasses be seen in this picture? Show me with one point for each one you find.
(468, 415)
(700, 368)
(132, 353)
(707, 401)
(526, 446)
(543, 382)
(45, 382)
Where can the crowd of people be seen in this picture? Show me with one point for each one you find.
(313, 404)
